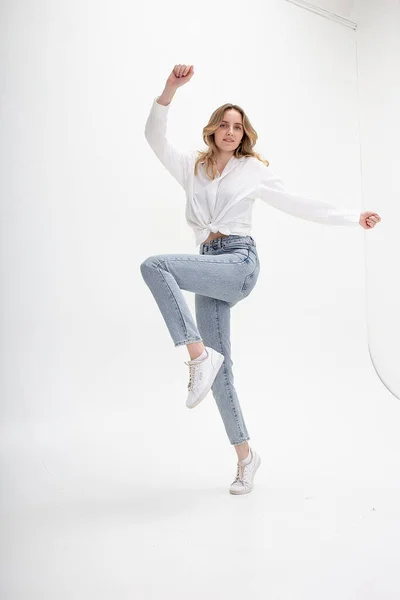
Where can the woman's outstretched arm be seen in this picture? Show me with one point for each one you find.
(272, 190)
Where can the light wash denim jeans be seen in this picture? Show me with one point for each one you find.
(224, 272)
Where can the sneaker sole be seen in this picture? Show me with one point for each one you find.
(258, 462)
(220, 360)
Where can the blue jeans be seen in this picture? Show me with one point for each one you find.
(225, 272)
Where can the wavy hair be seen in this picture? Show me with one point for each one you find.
(245, 147)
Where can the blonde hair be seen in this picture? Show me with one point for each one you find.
(245, 147)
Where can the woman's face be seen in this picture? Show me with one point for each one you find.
(230, 131)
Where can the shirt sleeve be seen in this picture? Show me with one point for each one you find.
(273, 192)
(174, 160)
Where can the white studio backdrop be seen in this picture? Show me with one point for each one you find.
(378, 50)
(85, 201)
(90, 378)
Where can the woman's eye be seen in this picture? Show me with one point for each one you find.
(223, 125)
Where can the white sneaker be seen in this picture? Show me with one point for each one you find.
(202, 375)
(243, 483)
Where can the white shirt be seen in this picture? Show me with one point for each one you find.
(225, 204)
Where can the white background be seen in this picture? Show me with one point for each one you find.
(110, 486)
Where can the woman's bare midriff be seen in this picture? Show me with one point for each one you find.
(213, 236)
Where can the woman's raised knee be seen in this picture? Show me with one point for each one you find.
(150, 263)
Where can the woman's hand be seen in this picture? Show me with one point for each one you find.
(369, 219)
(180, 75)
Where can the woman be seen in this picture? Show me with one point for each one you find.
(221, 185)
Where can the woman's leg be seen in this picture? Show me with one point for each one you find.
(213, 321)
(218, 276)
(242, 450)
(195, 349)
(218, 280)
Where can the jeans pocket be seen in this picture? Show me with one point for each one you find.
(241, 250)
(251, 280)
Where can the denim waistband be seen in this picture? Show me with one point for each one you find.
(226, 242)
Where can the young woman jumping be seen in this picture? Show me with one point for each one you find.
(221, 185)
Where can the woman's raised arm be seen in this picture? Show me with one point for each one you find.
(174, 160)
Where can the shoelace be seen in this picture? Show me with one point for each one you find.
(240, 474)
(192, 375)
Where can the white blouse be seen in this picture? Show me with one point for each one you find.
(225, 204)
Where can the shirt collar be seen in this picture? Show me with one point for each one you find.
(233, 158)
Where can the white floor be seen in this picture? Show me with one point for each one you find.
(104, 518)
